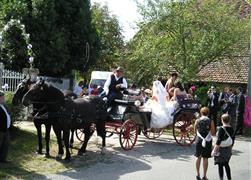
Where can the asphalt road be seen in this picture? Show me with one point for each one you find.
(159, 159)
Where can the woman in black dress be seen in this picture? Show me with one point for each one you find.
(205, 129)
(222, 159)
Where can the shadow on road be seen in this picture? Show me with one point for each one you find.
(163, 147)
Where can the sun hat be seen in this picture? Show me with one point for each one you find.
(119, 69)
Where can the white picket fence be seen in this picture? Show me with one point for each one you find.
(11, 79)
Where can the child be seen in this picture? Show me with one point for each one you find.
(205, 129)
(94, 91)
(224, 152)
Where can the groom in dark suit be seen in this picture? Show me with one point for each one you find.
(212, 103)
(240, 112)
(4, 130)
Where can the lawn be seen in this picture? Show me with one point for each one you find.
(26, 164)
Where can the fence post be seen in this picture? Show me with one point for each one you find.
(1, 74)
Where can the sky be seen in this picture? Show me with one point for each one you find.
(126, 11)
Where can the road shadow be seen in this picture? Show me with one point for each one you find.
(243, 138)
(91, 166)
(164, 147)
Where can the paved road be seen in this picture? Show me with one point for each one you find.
(160, 159)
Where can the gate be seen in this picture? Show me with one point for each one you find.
(10, 80)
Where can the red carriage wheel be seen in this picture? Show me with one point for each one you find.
(128, 134)
(183, 128)
(153, 133)
(80, 134)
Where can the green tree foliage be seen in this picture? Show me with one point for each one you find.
(184, 36)
(109, 33)
(13, 50)
(62, 35)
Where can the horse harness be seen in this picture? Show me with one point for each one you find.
(64, 112)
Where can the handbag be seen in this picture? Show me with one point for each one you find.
(228, 142)
(215, 152)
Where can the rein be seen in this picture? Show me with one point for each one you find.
(39, 111)
(44, 102)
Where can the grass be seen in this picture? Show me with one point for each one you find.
(26, 164)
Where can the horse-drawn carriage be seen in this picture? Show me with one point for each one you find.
(129, 118)
(126, 118)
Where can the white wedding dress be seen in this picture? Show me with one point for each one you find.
(161, 108)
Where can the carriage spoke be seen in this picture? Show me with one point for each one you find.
(81, 135)
(127, 144)
(183, 128)
(123, 141)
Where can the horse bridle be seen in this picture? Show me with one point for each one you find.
(44, 107)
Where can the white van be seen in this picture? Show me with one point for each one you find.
(99, 77)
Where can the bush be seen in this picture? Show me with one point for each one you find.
(16, 113)
(201, 93)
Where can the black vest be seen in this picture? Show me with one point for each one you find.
(114, 83)
(204, 126)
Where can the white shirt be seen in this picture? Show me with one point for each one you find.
(108, 82)
(7, 115)
(77, 90)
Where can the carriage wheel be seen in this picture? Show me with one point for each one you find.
(128, 134)
(153, 133)
(80, 134)
(183, 128)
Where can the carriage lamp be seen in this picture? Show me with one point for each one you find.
(137, 103)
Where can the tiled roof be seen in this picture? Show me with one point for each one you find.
(226, 71)
(244, 7)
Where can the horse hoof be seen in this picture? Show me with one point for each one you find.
(59, 157)
(67, 160)
(47, 155)
(103, 150)
(81, 153)
(39, 152)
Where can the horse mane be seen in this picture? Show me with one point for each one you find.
(53, 92)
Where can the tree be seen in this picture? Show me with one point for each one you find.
(13, 47)
(109, 33)
(62, 35)
(184, 37)
(62, 31)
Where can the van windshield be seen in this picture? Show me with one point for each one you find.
(98, 82)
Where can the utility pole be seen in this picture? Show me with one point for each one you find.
(1, 74)
(249, 72)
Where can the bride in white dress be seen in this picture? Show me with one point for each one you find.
(160, 106)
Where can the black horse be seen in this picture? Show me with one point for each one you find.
(38, 115)
(67, 114)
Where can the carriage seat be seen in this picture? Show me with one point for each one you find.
(131, 92)
(189, 104)
(123, 102)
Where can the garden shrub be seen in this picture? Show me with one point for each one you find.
(17, 113)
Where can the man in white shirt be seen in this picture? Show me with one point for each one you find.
(78, 88)
(4, 130)
(114, 84)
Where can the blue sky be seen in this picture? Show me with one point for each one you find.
(126, 11)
